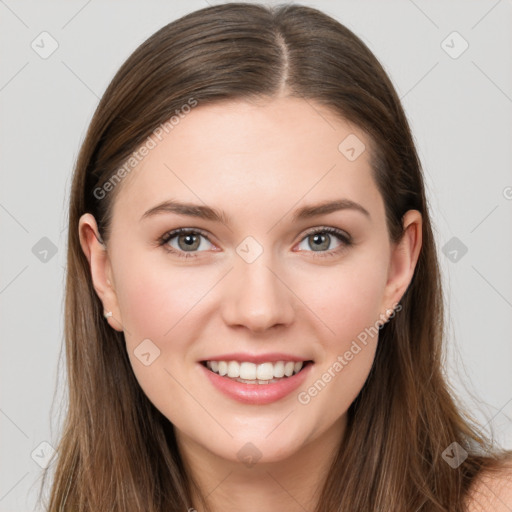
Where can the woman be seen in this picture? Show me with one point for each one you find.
(254, 316)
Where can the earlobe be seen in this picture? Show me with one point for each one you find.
(100, 268)
(404, 258)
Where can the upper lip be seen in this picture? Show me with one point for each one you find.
(257, 358)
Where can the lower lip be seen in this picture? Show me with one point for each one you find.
(257, 394)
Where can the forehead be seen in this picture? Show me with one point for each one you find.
(253, 152)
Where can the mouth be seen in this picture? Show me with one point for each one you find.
(247, 372)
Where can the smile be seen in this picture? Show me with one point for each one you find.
(239, 379)
(252, 373)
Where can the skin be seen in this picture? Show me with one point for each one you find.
(259, 162)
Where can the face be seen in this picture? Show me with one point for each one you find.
(274, 281)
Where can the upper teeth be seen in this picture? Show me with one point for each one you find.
(252, 371)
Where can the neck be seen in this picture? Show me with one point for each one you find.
(292, 484)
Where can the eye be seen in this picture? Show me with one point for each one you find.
(186, 241)
(319, 239)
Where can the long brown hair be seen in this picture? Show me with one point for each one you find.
(117, 451)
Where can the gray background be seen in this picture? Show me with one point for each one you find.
(460, 111)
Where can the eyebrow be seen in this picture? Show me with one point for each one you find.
(208, 213)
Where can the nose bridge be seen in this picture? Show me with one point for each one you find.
(255, 295)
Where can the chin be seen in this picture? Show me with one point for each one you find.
(260, 447)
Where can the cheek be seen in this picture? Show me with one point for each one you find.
(156, 303)
(154, 298)
(346, 299)
(348, 303)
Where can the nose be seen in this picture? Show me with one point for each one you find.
(257, 296)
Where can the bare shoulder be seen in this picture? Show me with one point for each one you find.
(492, 491)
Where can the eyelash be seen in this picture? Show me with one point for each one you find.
(340, 235)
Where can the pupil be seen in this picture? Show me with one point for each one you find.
(189, 240)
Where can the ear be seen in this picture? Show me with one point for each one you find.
(403, 260)
(100, 267)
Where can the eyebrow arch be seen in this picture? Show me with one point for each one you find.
(208, 213)
(326, 207)
(192, 210)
